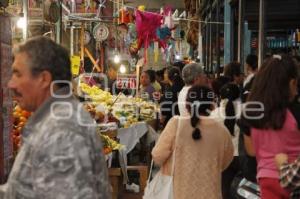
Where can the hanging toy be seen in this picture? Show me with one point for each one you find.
(156, 52)
(132, 31)
(164, 35)
(168, 21)
(141, 8)
(125, 16)
(146, 25)
(193, 33)
(133, 48)
(131, 39)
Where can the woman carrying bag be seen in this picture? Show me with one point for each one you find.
(203, 149)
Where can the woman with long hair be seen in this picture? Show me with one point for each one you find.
(227, 114)
(203, 148)
(169, 106)
(273, 128)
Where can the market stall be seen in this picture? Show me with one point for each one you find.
(101, 36)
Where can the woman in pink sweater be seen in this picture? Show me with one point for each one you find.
(273, 127)
(203, 149)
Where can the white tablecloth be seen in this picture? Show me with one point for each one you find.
(129, 137)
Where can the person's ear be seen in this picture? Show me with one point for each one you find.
(45, 79)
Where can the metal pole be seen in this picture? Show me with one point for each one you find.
(247, 42)
(210, 45)
(227, 32)
(241, 32)
(25, 12)
(261, 33)
(43, 15)
(200, 45)
(206, 45)
(218, 38)
(60, 21)
(72, 40)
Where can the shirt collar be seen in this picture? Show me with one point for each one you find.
(61, 94)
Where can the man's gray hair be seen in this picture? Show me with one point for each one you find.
(190, 72)
(43, 54)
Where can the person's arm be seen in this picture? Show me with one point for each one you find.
(289, 173)
(228, 150)
(249, 145)
(163, 148)
(69, 165)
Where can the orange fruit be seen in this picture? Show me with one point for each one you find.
(19, 129)
(23, 119)
(18, 109)
(15, 114)
(26, 114)
(21, 124)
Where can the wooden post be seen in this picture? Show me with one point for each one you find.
(139, 65)
(95, 64)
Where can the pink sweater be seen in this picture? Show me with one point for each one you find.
(268, 143)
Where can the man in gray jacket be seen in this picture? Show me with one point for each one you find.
(61, 154)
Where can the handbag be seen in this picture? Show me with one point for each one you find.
(161, 186)
(248, 189)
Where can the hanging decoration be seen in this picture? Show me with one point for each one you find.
(193, 32)
(125, 16)
(164, 34)
(156, 52)
(141, 8)
(146, 26)
(168, 20)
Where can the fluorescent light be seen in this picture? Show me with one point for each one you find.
(21, 23)
(122, 69)
(177, 57)
(117, 59)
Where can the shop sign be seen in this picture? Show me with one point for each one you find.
(126, 81)
(75, 65)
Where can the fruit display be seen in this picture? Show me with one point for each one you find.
(109, 144)
(20, 117)
(101, 115)
(124, 110)
(130, 110)
(96, 94)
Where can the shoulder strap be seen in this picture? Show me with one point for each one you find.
(173, 162)
(175, 146)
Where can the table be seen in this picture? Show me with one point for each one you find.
(129, 137)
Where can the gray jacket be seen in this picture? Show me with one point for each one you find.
(61, 155)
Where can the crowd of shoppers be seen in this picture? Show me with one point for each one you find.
(225, 130)
(260, 112)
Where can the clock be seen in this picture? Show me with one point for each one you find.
(100, 32)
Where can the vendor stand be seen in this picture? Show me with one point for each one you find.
(123, 118)
(98, 33)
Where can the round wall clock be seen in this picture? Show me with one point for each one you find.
(100, 32)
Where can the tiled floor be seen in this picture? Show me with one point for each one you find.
(127, 195)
